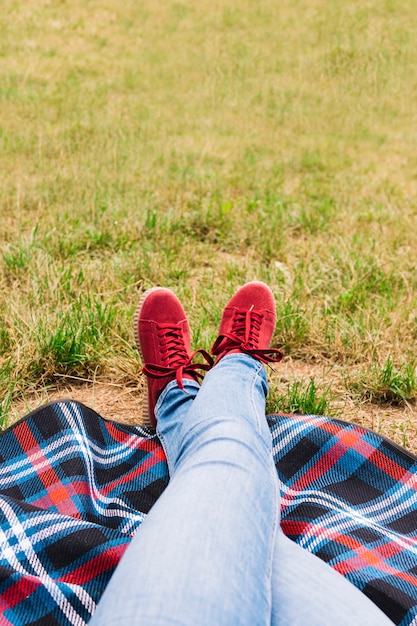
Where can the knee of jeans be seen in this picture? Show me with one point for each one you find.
(228, 435)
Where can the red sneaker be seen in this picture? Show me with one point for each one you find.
(163, 338)
(248, 324)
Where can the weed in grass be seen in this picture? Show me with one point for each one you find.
(151, 221)
(387, 384)
(304, 398)
(403, 428)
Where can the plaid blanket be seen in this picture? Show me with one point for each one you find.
(350, 497)
(74, 488)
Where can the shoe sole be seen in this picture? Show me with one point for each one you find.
(146, 416)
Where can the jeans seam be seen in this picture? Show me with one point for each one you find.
(165, 448)
(277, 519)
(258, 416)
(252, 398)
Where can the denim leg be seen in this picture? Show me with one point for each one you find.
(171, 410)
(305, 590)
(203, 555)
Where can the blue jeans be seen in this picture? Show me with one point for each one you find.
(210, 552)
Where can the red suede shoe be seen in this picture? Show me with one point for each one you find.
(163, 338)
(248, 324)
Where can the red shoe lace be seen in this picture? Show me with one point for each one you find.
(174, 354)
(244, 336)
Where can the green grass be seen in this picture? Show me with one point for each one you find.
(303, 397)
(198, 146)
(389, 384)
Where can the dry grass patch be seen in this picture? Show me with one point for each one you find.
(110, 400)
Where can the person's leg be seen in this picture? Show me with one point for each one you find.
(305, 590)
(203, 555)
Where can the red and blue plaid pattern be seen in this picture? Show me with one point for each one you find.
(350, 497)
(74, 488)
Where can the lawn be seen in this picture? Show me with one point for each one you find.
(199, 145)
